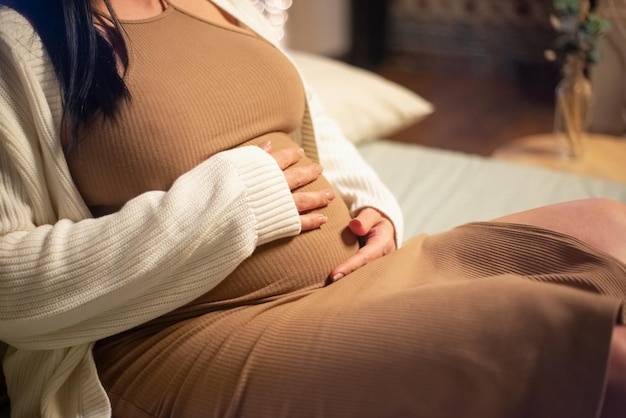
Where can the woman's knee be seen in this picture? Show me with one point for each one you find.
(602, 206)
(599, 222)
(602, 224)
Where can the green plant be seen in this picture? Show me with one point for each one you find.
(579, 30)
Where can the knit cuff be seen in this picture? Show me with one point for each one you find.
(268, 193)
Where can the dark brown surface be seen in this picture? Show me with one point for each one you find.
(482, 67)
(475, 113)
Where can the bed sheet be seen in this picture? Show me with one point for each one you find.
(439, 189)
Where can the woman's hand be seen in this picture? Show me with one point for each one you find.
(378, 234)
(298, 176)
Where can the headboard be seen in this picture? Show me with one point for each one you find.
(492, 36)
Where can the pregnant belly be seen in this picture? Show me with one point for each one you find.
(293, 263)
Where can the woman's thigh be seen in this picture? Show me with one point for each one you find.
(405, 336)
(600, 223)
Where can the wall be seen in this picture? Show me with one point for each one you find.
(488, 37)
(608, 77)
(319, 26)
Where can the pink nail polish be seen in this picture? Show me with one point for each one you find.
(338, 276)
(266, 146)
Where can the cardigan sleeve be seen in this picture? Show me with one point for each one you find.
(344, 167)
(97, 277)
(348, 172)
(69, 281)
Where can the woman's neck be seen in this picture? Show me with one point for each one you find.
(132, 9)
(145, 9)
(205, 10)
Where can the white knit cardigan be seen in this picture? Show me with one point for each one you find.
(67, 280)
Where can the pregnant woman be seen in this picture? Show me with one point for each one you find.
(185, 233)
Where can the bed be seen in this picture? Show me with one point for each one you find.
(436, 189)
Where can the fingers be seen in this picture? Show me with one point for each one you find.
(296, 176)
(379, 241)
(266, 146)
(364, 221)
(302, 175)
(310, 221)
(361, 258)
(307, 201)
(286, 157)
(375, 247)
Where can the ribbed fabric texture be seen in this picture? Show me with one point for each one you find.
(485, 321)
(238, 87)
(239, 90)
(68, 280)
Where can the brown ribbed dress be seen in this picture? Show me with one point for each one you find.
(485, 321)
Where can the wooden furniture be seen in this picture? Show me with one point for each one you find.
(368, 31)
(603, 156)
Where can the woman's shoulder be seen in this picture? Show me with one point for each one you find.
(16, 32)
(21, 49)
(14, 23)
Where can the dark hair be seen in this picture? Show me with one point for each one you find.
(85, 58)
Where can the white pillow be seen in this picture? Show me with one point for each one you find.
(365, 105)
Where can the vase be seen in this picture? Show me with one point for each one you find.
(573, 97)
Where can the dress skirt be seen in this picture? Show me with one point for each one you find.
(487, 320)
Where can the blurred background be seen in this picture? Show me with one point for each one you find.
(480, 62)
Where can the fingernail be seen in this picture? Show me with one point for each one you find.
(266, 146)
(330, 196)
(301, 151)
(322, 219)
(338, 276)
